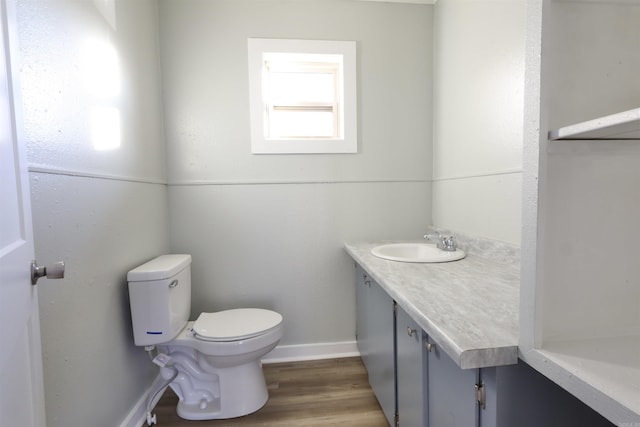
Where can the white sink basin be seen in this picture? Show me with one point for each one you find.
(415, 252)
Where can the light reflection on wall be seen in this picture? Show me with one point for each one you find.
(105, 128)
(102, 79)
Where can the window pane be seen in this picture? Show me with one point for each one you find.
(301, 124)
(298, 88)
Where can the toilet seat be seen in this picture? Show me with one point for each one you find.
(235, 325)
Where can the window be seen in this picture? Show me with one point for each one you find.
(302, 96)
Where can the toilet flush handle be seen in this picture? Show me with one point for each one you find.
(53, 271)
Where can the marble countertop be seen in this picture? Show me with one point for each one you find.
(468, 307)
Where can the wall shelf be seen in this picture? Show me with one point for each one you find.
(620, 126)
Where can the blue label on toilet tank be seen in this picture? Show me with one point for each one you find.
(154, 333)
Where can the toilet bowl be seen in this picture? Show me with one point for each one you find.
(213, 364)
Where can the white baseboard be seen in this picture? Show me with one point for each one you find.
(299, 352)
(284, 353)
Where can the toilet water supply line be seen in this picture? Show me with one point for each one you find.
(163, 361)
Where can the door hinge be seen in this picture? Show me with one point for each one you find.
(396, 419)
(481, 395)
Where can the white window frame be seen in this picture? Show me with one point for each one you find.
(261, 52)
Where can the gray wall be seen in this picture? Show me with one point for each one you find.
(263, 230)
(102, 212)
(478, 90)
(267, 230)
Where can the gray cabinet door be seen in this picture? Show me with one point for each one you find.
(381, 354)
(410, 371)
(375, 328)
(451, 392)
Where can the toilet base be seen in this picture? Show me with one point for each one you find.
(241, 391)
(194, 411)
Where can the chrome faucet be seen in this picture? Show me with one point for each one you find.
(445, 243)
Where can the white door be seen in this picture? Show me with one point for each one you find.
(21, 390)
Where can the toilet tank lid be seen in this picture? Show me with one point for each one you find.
(162, 267)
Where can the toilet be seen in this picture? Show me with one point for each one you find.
(213, 363)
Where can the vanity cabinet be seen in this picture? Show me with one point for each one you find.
(375, 336)
(415, 383)
(418, 385)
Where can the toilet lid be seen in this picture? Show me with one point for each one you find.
(235, 325)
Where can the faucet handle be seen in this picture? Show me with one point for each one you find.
(433, 236)
(448, 244)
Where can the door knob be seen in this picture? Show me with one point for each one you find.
(53, 271)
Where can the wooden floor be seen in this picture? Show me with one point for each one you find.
(314, 393)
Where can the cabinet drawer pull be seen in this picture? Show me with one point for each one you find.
(410, 331)
(365, 280)
(429, 346)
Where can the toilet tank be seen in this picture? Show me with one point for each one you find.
(160, 298)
